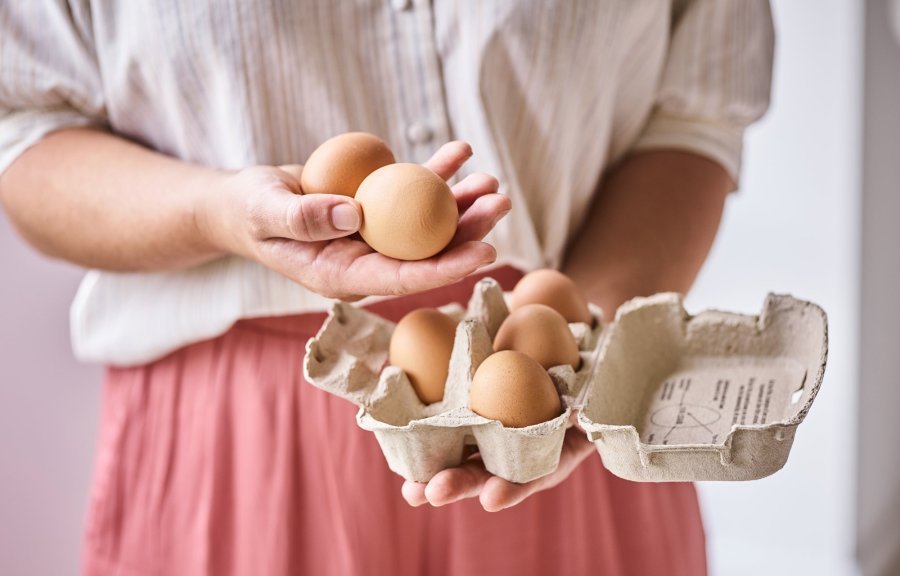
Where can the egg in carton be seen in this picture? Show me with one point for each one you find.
(654, 392)
(348, 356)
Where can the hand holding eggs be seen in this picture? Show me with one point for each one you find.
(408, 211)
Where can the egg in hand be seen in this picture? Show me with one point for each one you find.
(409, 212)
(341, 163)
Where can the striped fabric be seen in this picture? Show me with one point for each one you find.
(549, 94)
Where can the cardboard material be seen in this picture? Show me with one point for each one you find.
(663, 395)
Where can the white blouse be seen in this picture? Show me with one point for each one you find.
(549, 94)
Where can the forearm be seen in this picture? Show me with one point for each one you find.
(100, 201)
(650, 227)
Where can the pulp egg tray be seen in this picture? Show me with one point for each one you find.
(664, 396)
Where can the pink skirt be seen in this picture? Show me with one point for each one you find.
(221, 460)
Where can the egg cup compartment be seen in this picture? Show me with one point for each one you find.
(417, 446)
(348, 356)
(716, 396)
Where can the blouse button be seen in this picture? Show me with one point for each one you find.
(419, 133)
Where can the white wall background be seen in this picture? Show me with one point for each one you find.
(49, 407)
(793, 228)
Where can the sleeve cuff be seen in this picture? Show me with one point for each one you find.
(718, 142)
(22, 129)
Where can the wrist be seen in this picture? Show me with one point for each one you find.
(211, 202)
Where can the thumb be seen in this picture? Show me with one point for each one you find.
(314, 217)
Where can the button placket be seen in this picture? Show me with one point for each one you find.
(425, 133)
(424, 109)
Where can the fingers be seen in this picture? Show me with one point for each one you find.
(449, 158)
(472, 187)
(467, 481)
(471, 480)
(306, 218)
(480, 218)
(374, 274)
(480, 207)
(347, 268)
(326, 217)
(448, 267)
(454, 484)
(321, 217)
(499, 494)
(414, 493)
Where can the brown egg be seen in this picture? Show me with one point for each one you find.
(555, 290)
(514, 389)
(421, 344)
(340, 164)
(541, 333)
(409, 212)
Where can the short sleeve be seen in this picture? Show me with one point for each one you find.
(716, 81)
(49, 76)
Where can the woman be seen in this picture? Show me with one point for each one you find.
(141, 141)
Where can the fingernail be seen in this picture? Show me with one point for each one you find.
(493, 253)
(345, 217)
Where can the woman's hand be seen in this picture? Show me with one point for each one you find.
(263, 216)
(471, 480)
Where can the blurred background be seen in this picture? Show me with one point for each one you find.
(816, 216)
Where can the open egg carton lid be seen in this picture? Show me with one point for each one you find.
(665, 396)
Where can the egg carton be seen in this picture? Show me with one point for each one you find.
(664, 396)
